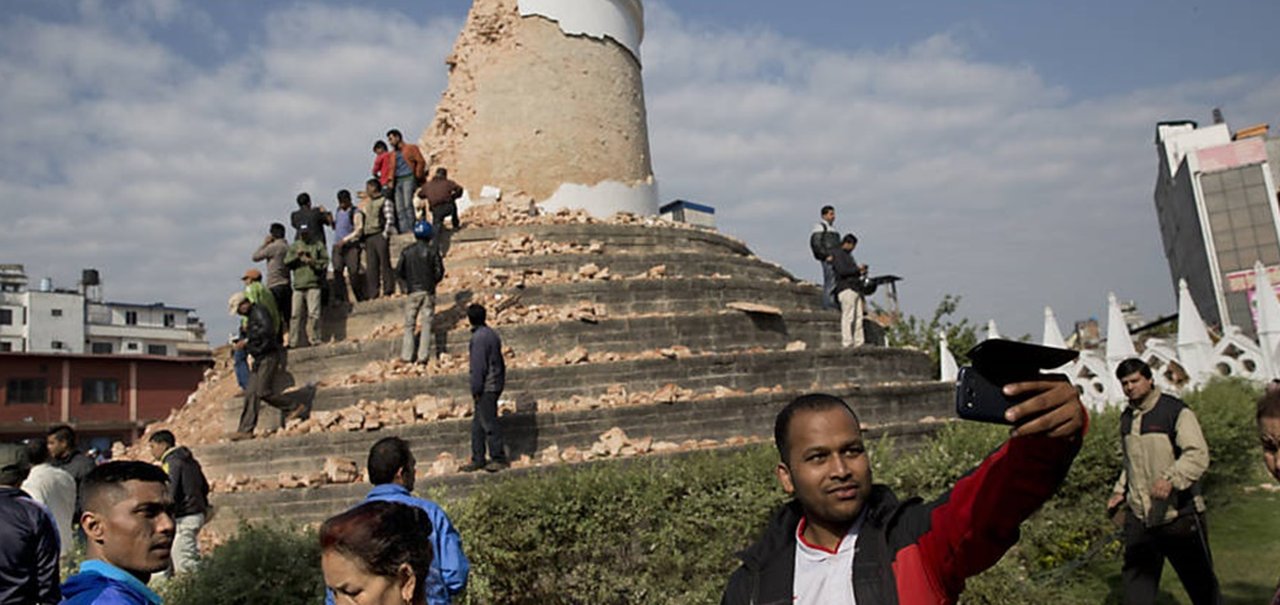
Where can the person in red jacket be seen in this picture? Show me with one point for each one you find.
(843, 539)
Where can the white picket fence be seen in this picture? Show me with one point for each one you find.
(1182, 364)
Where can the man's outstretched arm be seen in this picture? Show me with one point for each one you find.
(969, 528)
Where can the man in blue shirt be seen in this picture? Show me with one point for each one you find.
(391, 471)
(128, 532)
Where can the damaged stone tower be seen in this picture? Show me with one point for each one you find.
(545, 98)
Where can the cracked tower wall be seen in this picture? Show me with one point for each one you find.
(545, 97)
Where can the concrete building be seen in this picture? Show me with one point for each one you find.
(105, 397)
(76, 321)
(1216, 199)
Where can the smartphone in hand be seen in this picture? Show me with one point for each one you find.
(996, 363)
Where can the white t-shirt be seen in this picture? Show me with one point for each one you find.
(823, 577)
(56, 490)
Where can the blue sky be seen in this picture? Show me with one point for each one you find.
(998, 150)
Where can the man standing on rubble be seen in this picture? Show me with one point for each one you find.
(268, 360)
(823, 241)
(488, 378)
(420, 270)
(410, 168)
(379, 221)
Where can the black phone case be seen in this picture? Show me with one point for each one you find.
(996, 363)
(979, 399)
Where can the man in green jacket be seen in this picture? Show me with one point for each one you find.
(309, 262)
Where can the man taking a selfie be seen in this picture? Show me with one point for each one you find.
(843, 539)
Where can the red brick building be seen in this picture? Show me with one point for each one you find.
(104, 397)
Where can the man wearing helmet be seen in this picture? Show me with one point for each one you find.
(420, 269)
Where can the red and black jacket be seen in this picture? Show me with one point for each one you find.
(913, 552)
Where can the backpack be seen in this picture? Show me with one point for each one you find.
(821, 243)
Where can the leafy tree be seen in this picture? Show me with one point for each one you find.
(915, 333)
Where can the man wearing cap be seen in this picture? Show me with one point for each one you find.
(28, 537)
(258, 295)
(310, 265)
(268, 359)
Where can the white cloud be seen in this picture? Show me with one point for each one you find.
(976, 178)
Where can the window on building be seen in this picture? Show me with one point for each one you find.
(100, 390)
(6, 347)
(6, 317)
(133, 346)
(27, 390)
(101, 348)
(131, 318)
(169, 320)
(57, 345)
(157, 350)
(56, 312)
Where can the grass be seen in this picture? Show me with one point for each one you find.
(1244, 535)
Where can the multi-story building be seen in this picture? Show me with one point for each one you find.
(106, 398)
(1216, 201)
(56, 320)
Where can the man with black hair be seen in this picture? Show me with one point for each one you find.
(129, 531)
(348, 228)
(316, 219)
(379, 225)
(844, 539)
(52, 487)
(268, 360)
(65, 455)
(410, 168)
(309, 262)
(823, 241)
(488, 378)
(273, 250)
(391, 468)
(442, 195)
(189, 491)
(28, 537)
(849, 279)
(1165, 455)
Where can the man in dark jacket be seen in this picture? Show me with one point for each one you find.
(28, 538)
(844, 538)
(488, 378)
(65, 455)
(850, 277)
(190, 493)
(268, 359)
(442, 198)
(420, 269)
(129, 533)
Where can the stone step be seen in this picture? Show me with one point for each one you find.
(629, 238)
(530, 431)
(746, 372)
(619, 298)
(723, 332)
(305, 506)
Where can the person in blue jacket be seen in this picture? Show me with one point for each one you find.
(391, 471)
(128, 534)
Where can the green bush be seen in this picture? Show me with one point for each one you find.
(261, 564)
(666, 530)
(661, 530)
